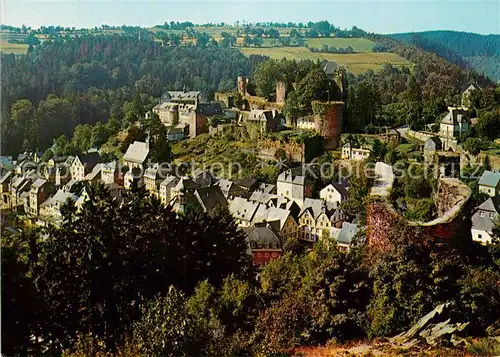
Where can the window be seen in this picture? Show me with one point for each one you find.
(479, 236)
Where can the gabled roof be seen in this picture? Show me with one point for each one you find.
(266, 188)
(186, 183)
(262, 197)
(6, 177)
(340, 188)
(314, 206)
(242, 209)
(492, 204)
(137, 152)
(329, 67)
(210, 197)
(94, 173)
(60, 197)
(109, 166)
(90, 160)
(271, 214)
(490, 179)
(38, 183)
(455, 116)
(290, 176)
(170, 180)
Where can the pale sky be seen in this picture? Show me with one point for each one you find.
(374, 16)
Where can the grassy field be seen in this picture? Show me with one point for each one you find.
(354, 62)
(358, 44)
(15, 48)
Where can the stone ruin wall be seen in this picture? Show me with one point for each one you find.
(382, 220)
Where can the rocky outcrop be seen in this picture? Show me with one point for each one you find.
(435, 329)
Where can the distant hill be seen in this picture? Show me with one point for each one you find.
(468, 50)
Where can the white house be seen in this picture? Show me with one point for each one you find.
(351, 153)
(294, 186)
(333, 194)
(489, 183)
(454, 125)
(484, 220)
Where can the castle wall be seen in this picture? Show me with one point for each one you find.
(329, 118)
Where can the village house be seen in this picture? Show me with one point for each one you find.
(489, 183)
(433, 144)
(153, 177)
(344, 237)
(230, 189)
(83, 165)
(137, 154)
(351, 153)
(247, 185)
(455, 124)
(50, 210)
(306, 123)
(279, 219)
(466, 95)
(209, 198)
(203, 178)
(266, 188)
(484, 220)
(243, 211)
(264, 120)
(315, 220)
(20, 187)
(264, 245)
(176, 133)
(5, 183)
(182, 193)
(166, 188)
(134, 174)
(94, 176)
(39, 192)
(333, 194)
(110, 173)
(294, 186)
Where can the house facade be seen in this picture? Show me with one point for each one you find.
(39, 192)
(294, 186)
(351, 153)
(333, 194)
(264, 245)
(484, 220)
(489, 183)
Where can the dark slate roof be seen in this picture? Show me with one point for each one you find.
(209, 109)
(247, 182)
(183, 95)
(492, 204)
(329, 67)
(340, 188)
(210, 197)
(90, 160)
(264, 236)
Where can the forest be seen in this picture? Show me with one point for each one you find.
(89, 79)
(469, 50)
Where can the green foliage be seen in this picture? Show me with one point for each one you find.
(473, 145)
(165, 329)
(266, 75)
